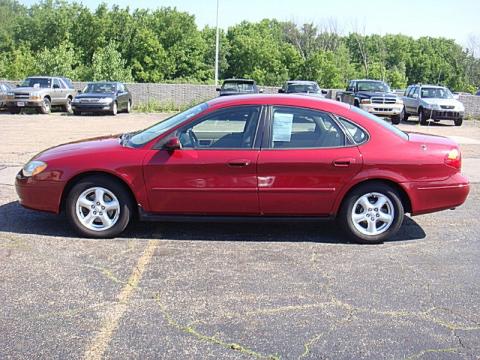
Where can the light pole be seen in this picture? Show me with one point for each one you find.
(217, 40)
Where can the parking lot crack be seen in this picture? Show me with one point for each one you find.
(190, 330)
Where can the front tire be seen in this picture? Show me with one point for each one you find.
(99, 207)
(76, 112)
(68, 106)
(14, 110)
(46, 107)
(371, 213)
(129, 107)
(396, 119)
(458, 122)
(422, 118)
(114, 108)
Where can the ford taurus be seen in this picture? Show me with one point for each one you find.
(262, 157)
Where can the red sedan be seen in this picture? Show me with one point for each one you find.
(264, 157)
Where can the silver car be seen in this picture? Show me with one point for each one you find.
(432, 102)
(41, 93)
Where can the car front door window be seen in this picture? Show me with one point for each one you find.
(228, 129)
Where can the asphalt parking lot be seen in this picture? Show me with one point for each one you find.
(232, 291)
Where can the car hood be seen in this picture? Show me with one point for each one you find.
(442, 102)
(95, 95)
(377, 93)
(82, 147)
(28, 89)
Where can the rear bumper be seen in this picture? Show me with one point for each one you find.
(439, 195)
(39, 194)
(383, 109)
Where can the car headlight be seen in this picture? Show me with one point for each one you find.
(105, 100)
(432, 106)
(33, 168)
(35, 96)
(10, 95)
(365, 101)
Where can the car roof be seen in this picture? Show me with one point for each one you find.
(280, 100)
(239, 80)
(301, 82)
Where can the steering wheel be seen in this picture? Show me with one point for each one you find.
(193, 138)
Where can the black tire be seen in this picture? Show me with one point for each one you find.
(458, 122)
(396, 119)
(46, 108)
(345, 217)
(421, 117)
(114, 110)
(405, 114)
(128, 109)
(356, 104)
(77, 112)
(117, 188)
(68, 106)
(14, 110)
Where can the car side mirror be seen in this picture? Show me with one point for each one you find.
(56, 86)
(281, 91)
(351, 89)
(415, 96)
(173, 144)
(324, 92)
(260, 91)
(218, 89)
(79, 91)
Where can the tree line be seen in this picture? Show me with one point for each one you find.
(165, 45)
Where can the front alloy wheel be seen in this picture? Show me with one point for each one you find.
(371, 213)
(99, 207)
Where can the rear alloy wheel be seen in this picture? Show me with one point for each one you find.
(422, 117)
(99, 207)
(372, 213)
(114, 108)
(129, 106)
(458, 122)
(46, 107)
(68, 106)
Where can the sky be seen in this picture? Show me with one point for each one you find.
(454, 19)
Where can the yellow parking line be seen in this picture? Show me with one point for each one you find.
(99, 344)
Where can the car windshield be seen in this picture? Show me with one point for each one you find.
(37, 82)
(238, 86)
(303, 88)
(100, 88)
(375, 86)
(160, 128)
(380, 121)
(436, 93)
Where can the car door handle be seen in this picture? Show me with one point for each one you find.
(238, 163)
(343, 162)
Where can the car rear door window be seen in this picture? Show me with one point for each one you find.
(356, 133)
(295, 128)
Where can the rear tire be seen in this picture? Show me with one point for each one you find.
(371, 213)
(68, 106)
(458, 122)
(84, 203)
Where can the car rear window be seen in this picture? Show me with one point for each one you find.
(381, 122)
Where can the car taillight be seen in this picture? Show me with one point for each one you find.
(454, 159)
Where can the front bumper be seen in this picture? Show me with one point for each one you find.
(383, 109)
(427, 197)
(44, 195)
(443, 114)
(91, 107)
(26, 103)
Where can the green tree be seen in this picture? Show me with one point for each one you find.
(107, 64)
(60, 61)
